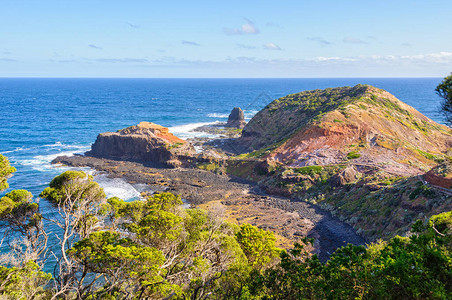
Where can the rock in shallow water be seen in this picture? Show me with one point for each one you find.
(236, 118)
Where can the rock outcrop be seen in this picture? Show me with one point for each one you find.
(348, 175)
(440, 175)
(236, 118)
(145, 142)
(362, 123)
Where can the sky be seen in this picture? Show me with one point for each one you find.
(225, 39)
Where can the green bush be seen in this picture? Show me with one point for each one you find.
(353, 155)
(309, 170)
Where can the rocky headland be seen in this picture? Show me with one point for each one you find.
(358, 152)
(151, 144)
(316, 163)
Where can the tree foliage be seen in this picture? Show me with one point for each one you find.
(152, 248)
(444, 90)
(415, 267)
(5, 172)
(155, 249)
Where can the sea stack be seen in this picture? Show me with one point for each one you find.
(236, 118)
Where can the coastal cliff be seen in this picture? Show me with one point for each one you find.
(145, 142)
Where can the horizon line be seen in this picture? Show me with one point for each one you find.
(347, 77)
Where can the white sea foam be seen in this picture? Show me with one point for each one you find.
(186, 131)
(59, 145)
(15, 150)
(216, 115)
(43, 162)
(117, 187)
(249, 114)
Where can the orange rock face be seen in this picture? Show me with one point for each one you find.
(147, 142)
(161, 132)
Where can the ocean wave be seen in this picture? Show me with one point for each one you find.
(217, 115)
(49, 147)
(42, 163)
(186, 131)
(250, 113)
(117, 187)
(60, 145)
(15, 150)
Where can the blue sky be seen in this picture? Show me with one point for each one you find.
(284, 38)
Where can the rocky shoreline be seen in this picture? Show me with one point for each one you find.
(339, 152)
(244, 201)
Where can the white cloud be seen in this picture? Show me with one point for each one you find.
(271, 46)
(432, 64)
(436, 64)
(247, 28)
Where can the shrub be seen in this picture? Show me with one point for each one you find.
(353, 155)
(309, 170)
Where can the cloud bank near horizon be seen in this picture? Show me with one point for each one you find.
(247, 66)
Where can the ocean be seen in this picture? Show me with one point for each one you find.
(43, 118)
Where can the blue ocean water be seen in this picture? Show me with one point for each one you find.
(43, 118)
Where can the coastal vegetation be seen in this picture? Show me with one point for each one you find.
(444, 90)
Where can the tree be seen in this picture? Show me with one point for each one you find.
(24, 229)
(5, 172)
(21, 222)
(78, 200)
(155, 249)
(25, 282)
(444, 90)
(415, 267)
(197, 247)
(258, 245)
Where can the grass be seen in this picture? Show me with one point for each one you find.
(429, 156)
(175, 145)
(309, 170)
(353, 155)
